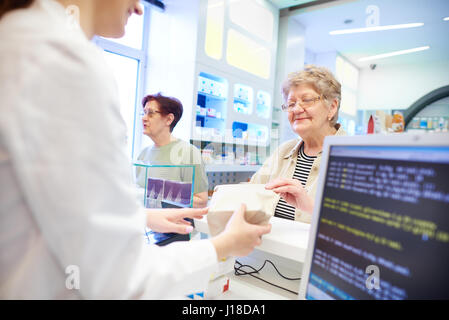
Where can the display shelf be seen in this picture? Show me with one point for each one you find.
(212, 96)
(205, 137)
(237, 107)
(209, 117)
(242, 100)
(232, 168)
(263, 105)
(211, 107)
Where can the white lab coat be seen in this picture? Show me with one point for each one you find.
(66, 195)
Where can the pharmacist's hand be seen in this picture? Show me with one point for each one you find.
(292, 191)
(239, 237)
(172, 220)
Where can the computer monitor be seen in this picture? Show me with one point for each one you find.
(380, 227)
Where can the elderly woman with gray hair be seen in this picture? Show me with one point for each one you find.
(312, 100)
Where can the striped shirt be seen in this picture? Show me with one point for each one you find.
(302, 170)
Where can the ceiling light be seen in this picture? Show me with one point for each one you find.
(394, 53)
(379, 28)
(446, 19)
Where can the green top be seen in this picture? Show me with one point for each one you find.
(177, 152)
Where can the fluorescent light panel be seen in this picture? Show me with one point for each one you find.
(379, 28)
(394, 53)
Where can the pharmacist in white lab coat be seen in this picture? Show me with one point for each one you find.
(70, 225)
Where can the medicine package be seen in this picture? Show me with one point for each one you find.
(260, 205)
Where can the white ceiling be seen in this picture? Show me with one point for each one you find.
(434, 33)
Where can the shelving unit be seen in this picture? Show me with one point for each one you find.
(241, 134)
(232, 167)
(429, 124)
(243, 99)
(263, 107)
(211, 108)
(231, 120)
(275, 128)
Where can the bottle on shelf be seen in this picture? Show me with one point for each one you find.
(398, 122)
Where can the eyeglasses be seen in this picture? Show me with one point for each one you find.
(304, 103)
(149, 113)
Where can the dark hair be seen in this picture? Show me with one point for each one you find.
(8, 5)
(167, 105)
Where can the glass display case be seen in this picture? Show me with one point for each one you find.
(158, 192)
(157, 189)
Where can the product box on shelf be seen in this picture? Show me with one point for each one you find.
(211, 112)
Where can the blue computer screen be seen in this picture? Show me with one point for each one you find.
(383, 229)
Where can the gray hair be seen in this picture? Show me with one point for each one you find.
(321, 79)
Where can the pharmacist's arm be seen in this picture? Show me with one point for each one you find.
(74, 176)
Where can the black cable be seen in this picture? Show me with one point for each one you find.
(257, 271)
(238, 272)
(251, 274)
(275, 285)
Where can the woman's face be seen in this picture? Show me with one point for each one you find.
(308, 119)
(154, 122)
(112, 16)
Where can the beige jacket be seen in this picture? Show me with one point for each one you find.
(281, 164)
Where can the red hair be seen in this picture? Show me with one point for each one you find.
(167, 105)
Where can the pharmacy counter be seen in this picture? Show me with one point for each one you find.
(285, 246)
(287, 239)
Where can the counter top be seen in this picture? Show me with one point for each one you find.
(287, 239)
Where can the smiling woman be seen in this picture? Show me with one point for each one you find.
(312, 99)
(310, 87)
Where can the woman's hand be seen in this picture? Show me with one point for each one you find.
(172, 220)
(293, 193)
